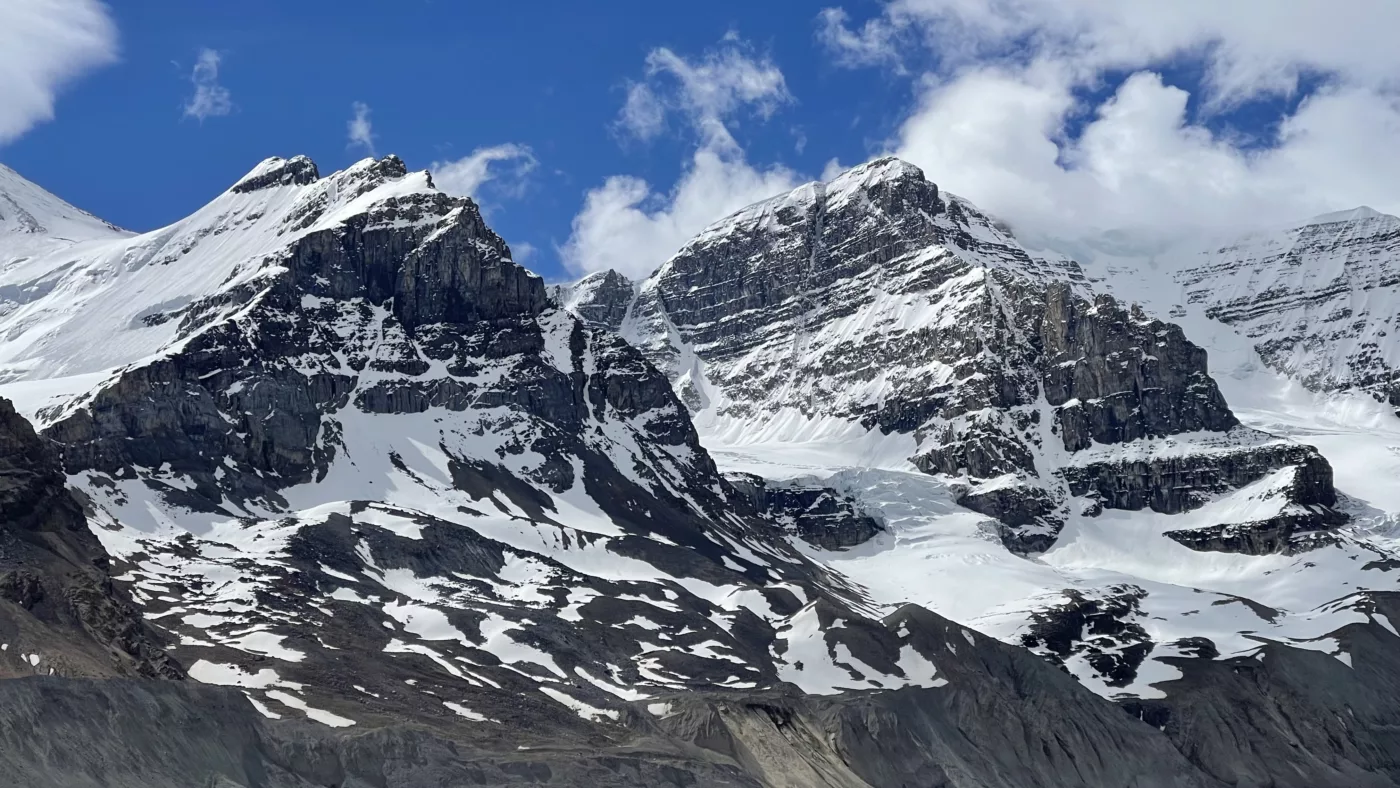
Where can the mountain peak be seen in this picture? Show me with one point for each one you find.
(277, 171)
(885, 168)
(27, 209)
(1357, 214)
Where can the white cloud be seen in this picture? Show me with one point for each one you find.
(708, 91)
(876, 43)
(210, 99)
(643, 115)
(627, 225)
(359, 129)
(465, 176)
(1002, 118)
(45, 45)
(1248, 45)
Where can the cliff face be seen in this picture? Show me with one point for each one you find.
(60, 612)
(875, 300)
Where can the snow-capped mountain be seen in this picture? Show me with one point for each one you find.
(356, 464)
(874, 304)
(877, 337)
(854, 491)
(1318, 300)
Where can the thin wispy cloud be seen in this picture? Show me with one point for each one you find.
(359, 128)
(210, 99)
(44, 46)
(506, 165)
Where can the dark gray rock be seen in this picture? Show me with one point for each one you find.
(816, 515)
(1291, 717)
(60, 611)
(984, 352)
(296, 171)
(601, 299)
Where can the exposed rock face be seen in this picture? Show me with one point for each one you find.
(1018, 722)
(817, 515)
(876, 300)
(1169, 480)
(1116, 376)
(1104, 630)
(370, 474)
(60, 612)
(374, 454)
(1318, 300)
(600, 299)
(1305, 717)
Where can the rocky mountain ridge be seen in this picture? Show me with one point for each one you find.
(369, 476)
(876, 301)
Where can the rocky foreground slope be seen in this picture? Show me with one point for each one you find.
(399, 518)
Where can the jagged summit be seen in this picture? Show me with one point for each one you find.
(276, 171)
(130, 298)
(602, 298)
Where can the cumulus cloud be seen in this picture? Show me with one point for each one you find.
(359, 129)
(210, 99)
(631, 227)
(44, 46)
(1001, 117)
(465, 176)
(628, 227)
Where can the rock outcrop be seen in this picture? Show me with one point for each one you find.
(816, 515)
(60, 612)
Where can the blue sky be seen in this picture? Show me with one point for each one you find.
(441, 79)
(1068, 118)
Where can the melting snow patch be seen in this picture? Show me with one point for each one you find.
(580, 708)
(319, 715)
(624, 693)
(208, 672)
(267, 644)
(425, 622)
(463, 711)
(397, 646)
(917, 669)
(263, 710)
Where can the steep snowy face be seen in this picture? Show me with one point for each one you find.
(1319, 301)
(33, 221)
(876, 303)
